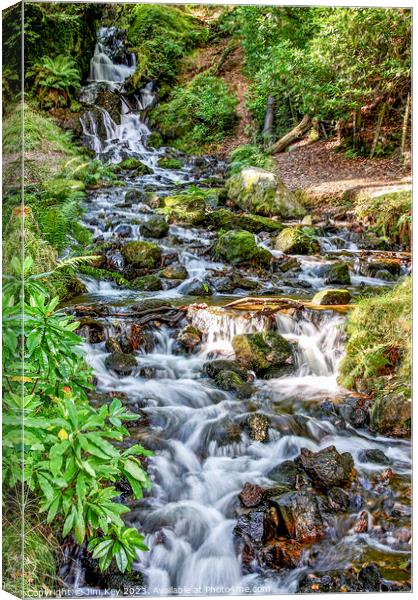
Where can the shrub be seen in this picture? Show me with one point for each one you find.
(199, 113)
(55, 79)
(249, 155)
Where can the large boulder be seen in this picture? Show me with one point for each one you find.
(214, 367)
(155, 227)
(327, 467)
(134, 166)
(184, 208)
(174, 272)
(146, 283)
(238, 247)
(331, 297)
(261, 192)
(293, 240)
(391, 414)
(337, 273)
(261, 351)
(226, 220)
(144, 255)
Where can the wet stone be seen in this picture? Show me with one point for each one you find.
(327, 467)
(189, 337)
(92, 331)
(301, 515)
(121, 363)
(286, 474)
(113, 345)
(215, 367)
(251, 495)
(252, 527)
(258, 426)
(282, 554)
(338, 499)
(374, 455)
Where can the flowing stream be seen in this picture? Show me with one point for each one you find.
(204, 452)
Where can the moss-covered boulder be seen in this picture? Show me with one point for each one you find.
(226, 219)
(261, 192)
(189, 337)
(391, 414)
(121, 363)
(184, 208)
(155, 227)
(337, 273)
(261, 351)
(146, 283)
(140, 254)
(331, 297)
(293, 240)
(174, 272)
(238, 247)
(169, 163)
(133, 196)
(133, 164)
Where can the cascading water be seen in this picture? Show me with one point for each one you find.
(204, 450)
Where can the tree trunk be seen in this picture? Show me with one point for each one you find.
(405, 126)
(290, 137)
(378, 128)
(268, 122)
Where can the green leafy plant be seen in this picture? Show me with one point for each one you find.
(55, 79)
(249, 155)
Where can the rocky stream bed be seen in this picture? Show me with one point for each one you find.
(267, 476)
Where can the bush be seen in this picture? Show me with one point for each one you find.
(378, 350)
(200, 113)
(249, 155)
(55, 80)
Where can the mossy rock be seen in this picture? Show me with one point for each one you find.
(391, 414)
(142, 254)
(229, 381)
(62, 188)
(147, 283)
(121, 363)
(133, 164)
(174, 272)
(227, 220)
(214, 367)
(133, 196)
(184, 208)
(155, 140)
(169, 163)
(337, 273)
(261, 351)
(155, 227)
(293, 240)
(261, 192)
(331, 297)
(238, 247)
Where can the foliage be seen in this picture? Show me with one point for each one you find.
(200, 113)
(55, 80)
(388, 213)
(160, 36)
(67, 446)
(378, 350)
(249, 155)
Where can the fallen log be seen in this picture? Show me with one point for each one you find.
(291, 137)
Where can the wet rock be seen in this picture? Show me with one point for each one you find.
(198, 287)
(370, 578)
(142, 254)
(133, 196)
(150, 304)
(371, 268)
(261, 192)
(169, 163)
(331, 297)
(113, 345)
(223, 285)
(327, 467)
(123, 230)
(362, 523)
(228, 433)
(174, 272)
(391, 414)
(252, 527)
(244, 283)
(258, 426)
(152, 200)
(259, 351)
(293, 240)
(146, 283)
(374, 455)
(282, 554)
(122, 364)
(231, 382)
(226, 220)
(338, 499)
(286, 474)
(251, 495)
(92, 331)
(214, 367)
(155, 227)
(285, 264)
(301, 515)
(185, 209)
(337, 273)
(190, 337)
(240, 247)
(133, 165)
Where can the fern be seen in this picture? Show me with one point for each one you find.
(54, 79)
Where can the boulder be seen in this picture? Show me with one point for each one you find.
(231, 382)
(184, 208)
(142, 254)
(113, 345)
(252, 527)
(146, 283)
(327, 467)
(260, 351)
(258, 425)
(282, 554)
(261, 192)
(133, 164)
(286, 474)
(374, 455)
(372, 268)
(91, 330)
(251, 495)
(173, 272)
(390, 414)
(169, 163)
(337, 273)
(122, 364)
(331, 297)
(227, 220)
(189, 337)
(240, 247)
(133, 196)
(301, 516)
(338, 499)
(293, 240)
(155, 227)
(215, 367)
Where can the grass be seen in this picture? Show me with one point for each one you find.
(378, 351)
